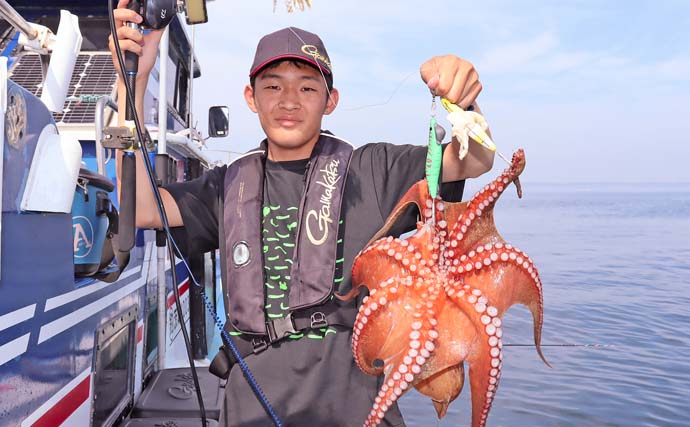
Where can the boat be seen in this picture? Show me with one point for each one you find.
(89, 336)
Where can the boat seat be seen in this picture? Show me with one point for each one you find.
(168, 422)
(171, 393)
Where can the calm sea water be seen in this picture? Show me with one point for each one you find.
(615, 263)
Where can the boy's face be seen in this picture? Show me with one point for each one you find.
(290, 100)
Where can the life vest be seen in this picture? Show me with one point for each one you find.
(311, 275)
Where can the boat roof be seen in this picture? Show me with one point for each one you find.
(93, 22)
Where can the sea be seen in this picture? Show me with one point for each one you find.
(615, 264)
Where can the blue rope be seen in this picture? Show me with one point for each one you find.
(231, 345)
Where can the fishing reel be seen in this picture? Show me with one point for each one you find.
(158, 13)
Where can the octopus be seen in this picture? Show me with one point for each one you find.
(436, 300)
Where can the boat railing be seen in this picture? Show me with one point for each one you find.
(103, 102)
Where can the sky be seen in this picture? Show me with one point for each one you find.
(594, 91)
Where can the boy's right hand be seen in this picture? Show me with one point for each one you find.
(144, 45)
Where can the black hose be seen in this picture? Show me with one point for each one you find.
(128, 202)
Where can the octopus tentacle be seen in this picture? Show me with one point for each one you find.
(527, 291)
(417, 194)
(384, 294)
(484, 200)
(405, 368)
(399, 251)
(486, 356)
(399, 254)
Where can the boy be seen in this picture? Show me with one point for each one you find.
(291, 217)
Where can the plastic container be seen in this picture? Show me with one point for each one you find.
(92, 214)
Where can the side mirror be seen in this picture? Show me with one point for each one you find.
(218, 121)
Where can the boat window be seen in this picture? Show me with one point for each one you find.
(114, 369)
(182, 92)
(151, 336)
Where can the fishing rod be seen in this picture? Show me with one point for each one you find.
(128, 69)
(173, 249)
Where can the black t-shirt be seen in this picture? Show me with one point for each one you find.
(311, 379)
(283, 187)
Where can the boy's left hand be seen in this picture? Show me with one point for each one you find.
(452, 77)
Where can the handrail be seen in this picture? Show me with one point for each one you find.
(16, 20)
(104, 101)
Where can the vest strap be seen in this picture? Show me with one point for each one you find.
(279, 330)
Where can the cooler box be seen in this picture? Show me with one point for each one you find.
(92, 218)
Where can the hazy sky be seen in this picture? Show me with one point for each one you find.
(594, 91)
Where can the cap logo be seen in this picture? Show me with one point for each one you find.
(313, 51)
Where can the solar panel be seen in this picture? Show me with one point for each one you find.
(26, 72)
(94, 76)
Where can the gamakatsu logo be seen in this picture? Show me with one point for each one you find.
(312, 50)
(322, 218)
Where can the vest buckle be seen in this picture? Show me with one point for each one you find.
(278, 329)
(258, 345)
(318, 320)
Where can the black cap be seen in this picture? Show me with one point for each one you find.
(291, 42)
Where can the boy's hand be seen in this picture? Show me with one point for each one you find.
(144, 45)
(452, 77)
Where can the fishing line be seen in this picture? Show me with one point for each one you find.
(323, 76)
(593, 345)
(390, 98)
(166, 227)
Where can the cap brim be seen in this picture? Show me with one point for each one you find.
(289, 56)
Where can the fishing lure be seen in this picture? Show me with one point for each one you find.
(434, 153)
(469, 125)
(466, 125)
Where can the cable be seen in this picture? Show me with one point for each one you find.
(172, 244)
